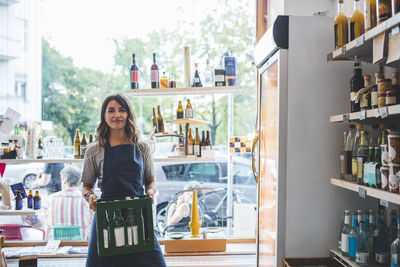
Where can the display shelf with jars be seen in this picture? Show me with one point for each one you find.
(187, 91)
(390, 112)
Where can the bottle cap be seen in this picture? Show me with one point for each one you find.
(359, 125)
(367, 76)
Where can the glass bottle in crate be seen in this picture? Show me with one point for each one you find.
(132, 228)
(345, 233)
(395, 249)
(362, 253)
(119, 229)
(341, 156)
(353, 236)
(106, 231)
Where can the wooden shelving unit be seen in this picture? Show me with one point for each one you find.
(188, 121)
(187, 91)
(369, 191)
(363, 45)
(336, 255)
(371, 113)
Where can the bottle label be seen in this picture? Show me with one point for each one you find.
(196, 150)
(196, 80)
(354, 166)
(82, 150)
(341, 157)
(105, 237)
(119, 236)
(360, 167)
(382, 258)
(384, 10)
(362, 257)
(395, 260)
(77, 149)
(135, 76)
(374, 99)
(345, 243)
(190, 150)
(188, 113)
(352, 247)
(154, 76)
(133, 235)
(347, 162)
(390, 100)
(364, 101)
(352, 96)
(37, 204)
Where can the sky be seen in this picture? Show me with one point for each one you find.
(85, 29)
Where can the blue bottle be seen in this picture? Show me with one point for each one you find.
(18, 201)
(353, 236)
(362, 252)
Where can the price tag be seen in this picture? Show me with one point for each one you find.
(396, 30)
(361, 192)
(383, 112)
(343, 50)
(360, 41)
(363, 114)
(376, 113)
(345, 117)
(384, 203)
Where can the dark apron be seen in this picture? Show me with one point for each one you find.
(122, 177)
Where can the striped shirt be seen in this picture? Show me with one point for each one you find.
(68, 207)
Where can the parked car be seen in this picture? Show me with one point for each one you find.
(24, 173)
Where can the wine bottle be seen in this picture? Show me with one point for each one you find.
(356, 83)
(196, 147)
(83, 146)
(77, 145)
(155, 127)
(119, 229)
(132, 228)
(191, 143)
(160, 121)
(196, 78)
(134, 73)
(154, 77)
(188, 110)
(179, 111)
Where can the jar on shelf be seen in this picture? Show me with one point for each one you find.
(384, 10)
(391, 98)
(394, 147)
(381, 100)
(393, 181)
(384, 85)
(385, 178)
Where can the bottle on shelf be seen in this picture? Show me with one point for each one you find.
(370, 226)
(356, 145)
(208, 141)
(83, 146)
(191, 143)
(134, 73)
(37, 202)
(179, 111)
(362, 252)
(356, 83)
(164, 81)
(30, 199)
(347, 153)
(188, 110)
(353, 236)
(370, 160)
(208, 75)
(132, 228)
(374, 91)
(196, 147)
(155, 75)
(18, 200)
(362, 156)
(360, 218)
(119, 229)
(202, 142)
(370, 14)
(172, 82)
(160, 121)
(382, 250)
(384, 10)
(90, 138)
(341, 156)
(181, 139)
(341, 230)
(395, 249)
(155, 127)
(345, 233)
(230, 70)
(396, 85)
(77, 145)
(196, 77)
(378, 167)
(357, 27)
(392, 228)
(365, 99)
(341, 27)
(40, 149)
(106, 230)
(219, 77)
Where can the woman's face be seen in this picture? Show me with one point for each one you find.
(115, 115)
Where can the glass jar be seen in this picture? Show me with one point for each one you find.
(384, 10)
(381, 100)
(384, 85)
(391, 98)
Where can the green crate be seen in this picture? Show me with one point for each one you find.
(143, 212)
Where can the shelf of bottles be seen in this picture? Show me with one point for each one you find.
(363, 45)
(369, 191)
(187, 91)
(389, 111)
(336, 255)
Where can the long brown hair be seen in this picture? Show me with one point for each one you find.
(131, 130)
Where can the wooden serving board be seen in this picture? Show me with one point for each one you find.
(195, 245)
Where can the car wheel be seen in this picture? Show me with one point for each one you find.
(161, 215)
(28, 180)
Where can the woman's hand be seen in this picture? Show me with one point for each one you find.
(92, 199)
(151, 192)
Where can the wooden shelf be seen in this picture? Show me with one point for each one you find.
(182, 159)
(13, 212)
(363, 45)
(188, 121)
(369, 191)
(187, 91)
(337, 255)
(41, 160)
(371, 113)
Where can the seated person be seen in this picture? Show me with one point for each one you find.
(180, 212)
(50, 178)
(68, 207)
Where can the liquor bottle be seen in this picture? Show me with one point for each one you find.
(395, 249)
(202, 142)
(77, 145)
(18, 200)
(172, 82)
(230, 70)
(357, 27)
(164, 81)
(362, 156)
(134, 73)
(370, 231)
(341, 230)
(347, 153)
(154, 77)
(191, 143)
(360, 218)
(83, 146)
(384, 10)
(353, 236)
(90, 138)
(365, 99)
(155, 128)
(362, 252)
(40, 149)
(208, 75)
(119, 229)
(181, 139)
(196, 78)
(378, 167)
(188, 110)
(37, 202)
(341, 156)
(341, 27)
(196, 147)
(382, 252)
(208, 141)
(160, 121)
(179, 111)
(106, 230)
(356, 83)
(132, 228)
(356, 145)
(392, 229)
(30, 199)
(345, 234)
(370, 14)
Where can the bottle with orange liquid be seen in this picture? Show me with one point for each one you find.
(341, 27)
(357, 22)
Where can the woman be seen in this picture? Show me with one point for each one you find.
(121, 164)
